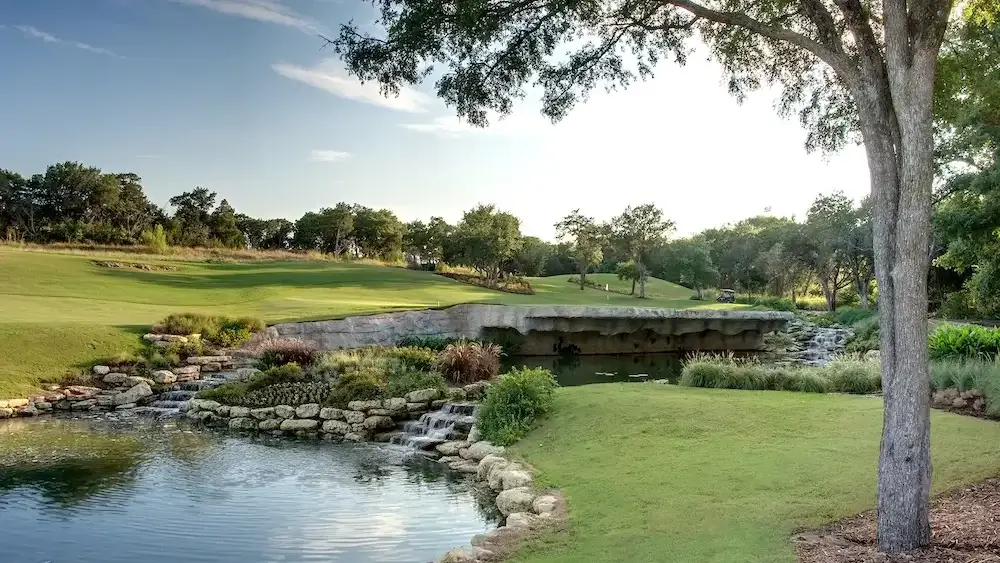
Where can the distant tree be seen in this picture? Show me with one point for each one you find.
(378, 234)
(253, 229)
(629, 271)
(530, 259)
(686, 262)
(224, 227)
(830, 227)
(328, 231)
(486, 239)
(561, 261)
(639, 230)
(191, 223)
(277, 234)
(586, 238)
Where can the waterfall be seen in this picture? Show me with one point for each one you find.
(452, 422)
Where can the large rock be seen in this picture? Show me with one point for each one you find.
(202, 405)
(479, 450)
(514, 478)
(309, 410)
(545, 504)
(336, 427)
(134, 394)
(284, 411)
(486, 464)
(329, 413)
(101, 371)
(354, 417)
(79, 392)
(262, 414)
(293, 425)
(134, 380)
(14, 403)
(395, 405)
(364, 405)
(269, 424)
(223, 410)
(515, 500)
(6, 412)
(379, 423)
(494, 477)
(115, 378)
(203, 360)
(450, 448)
(423, 395)
(464, 466)
(242, 424)
(467, 555)
(186, 370)
(164, 377)
(239, 412)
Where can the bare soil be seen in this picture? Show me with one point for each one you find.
(965, 525)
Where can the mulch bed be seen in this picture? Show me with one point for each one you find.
(965, 525)
(519, 286)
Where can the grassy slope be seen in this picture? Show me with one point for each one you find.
(59, 310)
(661, 473)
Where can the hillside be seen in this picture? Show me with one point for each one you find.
(60, 310)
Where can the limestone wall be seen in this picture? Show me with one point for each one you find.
(545, 330)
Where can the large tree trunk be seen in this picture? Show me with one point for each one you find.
(583, 278)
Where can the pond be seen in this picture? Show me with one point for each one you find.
(589, 369)
(94, 491)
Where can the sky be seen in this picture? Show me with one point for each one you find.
(239, 97)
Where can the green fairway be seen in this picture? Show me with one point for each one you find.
(60, 310)
(662, 473)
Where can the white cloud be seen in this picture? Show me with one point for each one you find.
(35, 33)
(148, 156)
(267, 11)
(525, 122)
(328, 156)
(334, 79)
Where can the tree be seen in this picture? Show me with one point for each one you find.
(191, 224)
(328, 231)
(848, 68)
(486, 239)
(639, 230)
(529, 260)
(586, 238)
(378, 234)
(686, 262)
(830, 226)
(224, 226)
(629, 271)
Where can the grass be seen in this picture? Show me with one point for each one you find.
(664, 473)
(60, 310)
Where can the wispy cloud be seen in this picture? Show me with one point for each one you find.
(35, 33)
(328, 156)
(451, 126)
(148, 156)
(335, 80)
(267, 11)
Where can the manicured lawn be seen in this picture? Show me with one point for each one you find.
(60, 310)
(662, 473)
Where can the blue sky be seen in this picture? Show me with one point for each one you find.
(237, 96)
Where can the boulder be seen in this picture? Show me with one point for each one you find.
(473, 434)
(455, 394)
(364, 405)
(14, 403)
(115, 378)
(354, 417)
(186, 370)
(85, 404)
(354, 437)
(174, 338)
(545, 504)
(423, 395)
(379, 423)
(475, 391)
(309, 410)
(284, 411)
(514, 476)
(164, 377)
(269, 424)
(26, 410)
(79, 392)
(467, 555)
(977, 405)
(336, 427)
(239, 412)
(294, 425)
(101, 370)
(438, 404)
(6, 412)
(211, 367)
(527, 520)
(379, 412)
(450, 448)
(139, 391)
(152, 337)
(125, 407)
(134, 380)
(223, 410)
(464, 466)
(202, 360)
(494, 478)
(105, 400)
(262, 414)
(486, 464)
(396, 405)
(205, 416)
(43, 406)
(515, 500)
(242, 423)
(479, 450)
(329, 413)
(416, 407)
(202, 405)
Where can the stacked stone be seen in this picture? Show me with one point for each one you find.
(361, 421)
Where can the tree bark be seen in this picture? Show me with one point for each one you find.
(583, 278)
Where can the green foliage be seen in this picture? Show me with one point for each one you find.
(435, 343)
(218, 329)
(361, 385)
(285, 351)
(232, 393)
(811, 304)
(401, 384)
(292, 394)
(514, 403)
(967, 374)
(726, 372)
(417, 358)
(850, 316)
(485, 239)
(288, 373)
(467, 362)
(775, 303)
(950, 341)
(865, 336)
(156, 240)
(958, 305)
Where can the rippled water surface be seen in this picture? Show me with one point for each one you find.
(98, 492)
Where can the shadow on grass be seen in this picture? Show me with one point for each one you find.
(86, 364)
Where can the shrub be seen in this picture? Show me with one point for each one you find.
(288, 373)
(232, 393)
(289, 394)
(287, 351)
(218, 329)
(436, 343)
(513, 404)
(509, 284)
(417, 358)
(850, 316)
(156, 359)
(865, 336)
(853, 375)
(467, 362)
(123, 361)
(966, 374)
(155, 240)
(842, 375)
(362, 385)
(401, 384)
(964, 341)
(811, 304)
(776, 303)
(958, 305)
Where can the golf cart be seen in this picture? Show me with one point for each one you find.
(728, 296)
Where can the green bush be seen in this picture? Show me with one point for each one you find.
(966, 374)
(958, 305)
(436, 343)
(292, 394)
(362, 385)
(287, 351)
(514, 403)
(232, 393)
(865, 336)
(722, 372)
(402, 383)
(288, 373)
(854, 376)
(466, 362)
(155, 240)
(850, 316)
(416, 358)
(776, 303)
(949, 341)
(221, 330)
(780, 378)
(811, 304)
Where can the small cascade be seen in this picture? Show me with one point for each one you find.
(452, 422)
(178, 395)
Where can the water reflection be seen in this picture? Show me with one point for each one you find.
(573, 370)
(161, 492)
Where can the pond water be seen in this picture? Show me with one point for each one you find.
(93, 491)
(589, 369)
